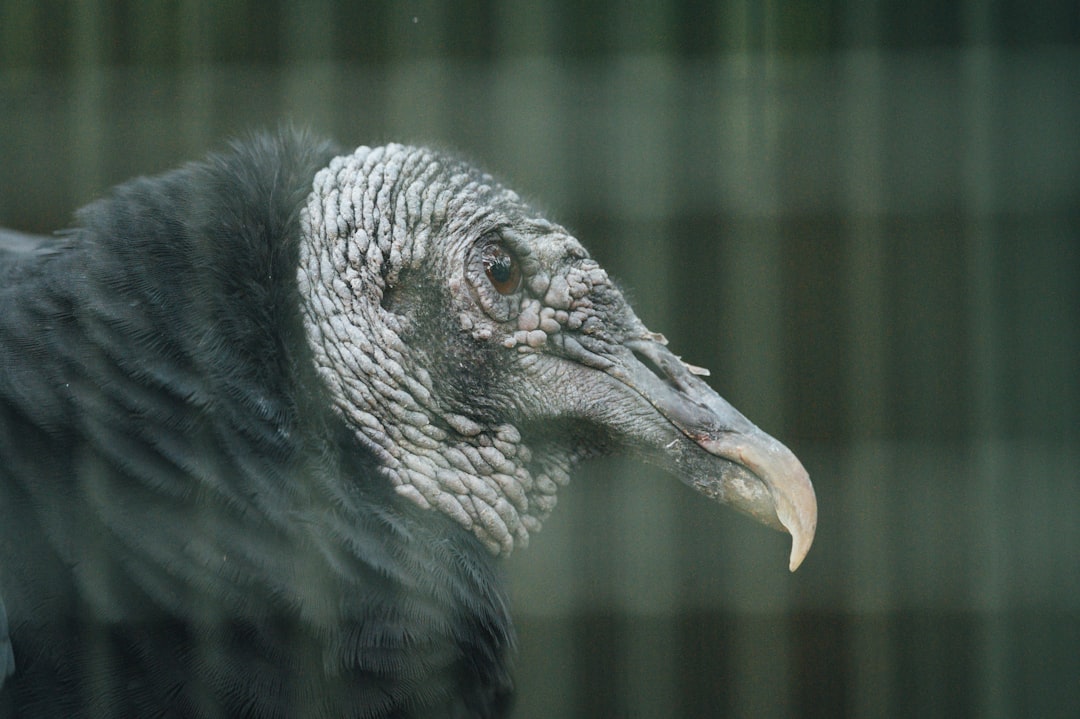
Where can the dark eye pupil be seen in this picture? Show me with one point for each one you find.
(502, 269)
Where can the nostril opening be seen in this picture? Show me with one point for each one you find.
(653, 366)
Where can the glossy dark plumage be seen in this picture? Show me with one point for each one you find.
(162, 344)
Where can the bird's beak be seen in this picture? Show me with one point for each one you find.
(716, 450)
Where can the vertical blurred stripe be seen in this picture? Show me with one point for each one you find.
(196, 99)
(88, 99)
(980, 203)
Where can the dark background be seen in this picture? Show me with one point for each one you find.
(863, 216)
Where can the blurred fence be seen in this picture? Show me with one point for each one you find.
(863, 217)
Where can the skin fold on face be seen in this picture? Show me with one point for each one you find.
(480, 352)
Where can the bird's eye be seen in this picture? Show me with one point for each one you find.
(496, 276)
(501, 268)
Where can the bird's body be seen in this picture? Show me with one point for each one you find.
(265, 427)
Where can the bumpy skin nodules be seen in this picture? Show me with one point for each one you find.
(372, 221)
(478, 351)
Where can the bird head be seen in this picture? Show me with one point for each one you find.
(480, 352)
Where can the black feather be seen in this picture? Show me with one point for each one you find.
(186, 528)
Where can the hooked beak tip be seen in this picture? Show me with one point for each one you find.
(780, 495)
(795, 502)
(760, 476)
(796, 508)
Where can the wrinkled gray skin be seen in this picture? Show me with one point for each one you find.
(495, 386)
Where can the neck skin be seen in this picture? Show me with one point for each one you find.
(484, 477)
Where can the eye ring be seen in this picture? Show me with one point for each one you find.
(501, 267)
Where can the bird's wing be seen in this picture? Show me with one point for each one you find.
(13, 241)
(16, 244)
(17, 248)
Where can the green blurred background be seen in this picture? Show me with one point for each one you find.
(863, 216)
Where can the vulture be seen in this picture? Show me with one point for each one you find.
(268, 422)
